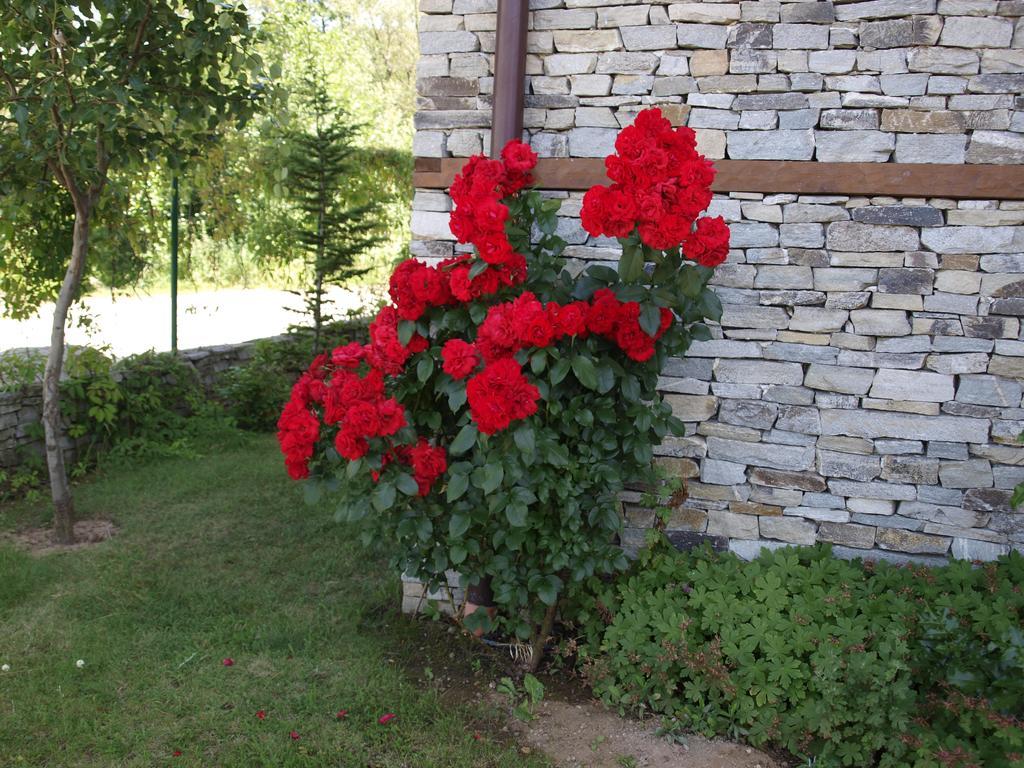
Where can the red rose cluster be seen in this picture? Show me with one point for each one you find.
(298, 429)
(499, 395)
(386, 352)
(355, 403)
(525, 323)
(428, 463)
(479, 216)
(661, 186)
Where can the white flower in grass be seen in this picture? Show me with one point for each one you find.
(5, 668)
(80, 663)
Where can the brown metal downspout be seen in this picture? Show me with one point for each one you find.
(506, 124)
(509, 73)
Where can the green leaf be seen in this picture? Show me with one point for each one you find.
(710, 305)
(458, 524)
(477, 269)
(558, 455)
(456, 397)
(457, 553)
(630, 388)
(631, 263)
(584, 369)
(465, 440)
(516, 515)
(524, 438)
(406, 484)
(605, 378)
(650, 319)
(547, 590)
(538, 361)
(311, 492)
(700, 332)
(406, 328)
(603, 273)
(559, 371)
(457, 485)
(493, 475)
(383, 496)
(424, 368)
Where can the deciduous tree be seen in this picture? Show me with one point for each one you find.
(91, 86)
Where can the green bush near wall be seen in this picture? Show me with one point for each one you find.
(846, 663)
(254, 394)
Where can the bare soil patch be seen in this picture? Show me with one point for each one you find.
(39, 541)
(585, 735)
(570, 727)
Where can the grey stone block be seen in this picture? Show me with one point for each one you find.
(862, 238)
(722, 472)
(791, 530)
(973, 473)
(834, 378)
(770, 145)
(761, 455)
(871, 424)
(748, 413)
(912, 385)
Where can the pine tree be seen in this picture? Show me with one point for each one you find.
(334, 233)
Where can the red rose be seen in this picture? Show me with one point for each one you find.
(428, 463)
(708, 244)
(391, 415)
(350, 446)
(571, 320)
(349, 356)
(518, 157)
(497, 335)
(460, 358)
(499, 395)
(604, 311)
(361, 419)
(494, 248)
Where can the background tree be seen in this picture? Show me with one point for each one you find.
(332, 232)
(94, 86)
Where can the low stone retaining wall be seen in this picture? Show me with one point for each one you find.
(20, 410)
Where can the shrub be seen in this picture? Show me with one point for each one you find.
(255, 392)
(830, 659)
(503, 402)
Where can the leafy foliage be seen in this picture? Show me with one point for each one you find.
(837, 661)
(254, 393)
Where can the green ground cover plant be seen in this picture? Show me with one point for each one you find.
(838, 662)
(217, 559)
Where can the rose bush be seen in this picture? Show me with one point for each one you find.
(504, 401)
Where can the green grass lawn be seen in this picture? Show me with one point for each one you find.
(217, 558)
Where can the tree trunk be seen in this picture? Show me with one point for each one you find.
(63, 504)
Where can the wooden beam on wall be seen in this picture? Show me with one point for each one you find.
(984, 182)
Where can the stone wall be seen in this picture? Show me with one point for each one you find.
(844, 81)
(20, 410)
(864, 387)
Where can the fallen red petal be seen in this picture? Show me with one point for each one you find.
(229, 662)
(295, 735)
(385, 719)
(176, 753)
(342, 714)
(261, 715)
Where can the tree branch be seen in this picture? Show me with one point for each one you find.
(133, 58)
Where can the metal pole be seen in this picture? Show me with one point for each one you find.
(174, 263)
(509, 73)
